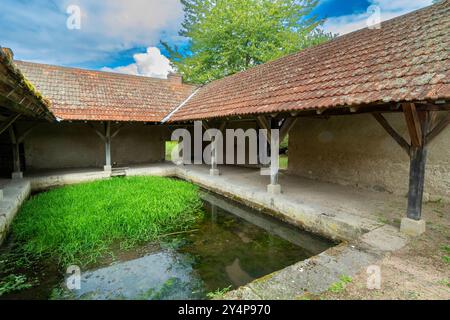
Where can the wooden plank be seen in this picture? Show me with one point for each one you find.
(391, 131)
(413, 123)
(438, 129)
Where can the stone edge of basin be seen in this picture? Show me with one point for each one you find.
(314, 276)
(14, 194)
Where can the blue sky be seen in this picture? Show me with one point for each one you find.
(124, 36)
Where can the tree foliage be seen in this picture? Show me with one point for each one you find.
(228, 36)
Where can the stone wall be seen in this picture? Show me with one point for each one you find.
(355, 150)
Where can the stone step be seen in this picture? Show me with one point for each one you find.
(118, 172)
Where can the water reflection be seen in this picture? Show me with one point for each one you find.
(233, 246)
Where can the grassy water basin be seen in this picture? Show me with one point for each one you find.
(145, 238)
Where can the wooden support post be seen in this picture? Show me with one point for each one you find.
(419, 122)
(108, 165)
(107, 137)
(274, 187)
(17, 173)
(416, 182)
(214, 171)
(418, 126)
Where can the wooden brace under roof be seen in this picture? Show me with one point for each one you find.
(415, 122)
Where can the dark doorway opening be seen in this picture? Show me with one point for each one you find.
(7, 159)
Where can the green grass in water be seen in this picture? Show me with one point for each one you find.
(170, 145)
(79, 223)
(283, 162)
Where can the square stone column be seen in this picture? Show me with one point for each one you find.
(274, 189)
(214, 172)
(412, 227)
(17, 175)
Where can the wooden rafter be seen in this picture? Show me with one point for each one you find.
(391, 131)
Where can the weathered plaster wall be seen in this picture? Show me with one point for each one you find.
(137, 144)
(355, 150)
(75, 145)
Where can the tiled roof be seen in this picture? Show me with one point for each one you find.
(78, 94)
(406, 60)
(17, 93)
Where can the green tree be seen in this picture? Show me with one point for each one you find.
(228, 36)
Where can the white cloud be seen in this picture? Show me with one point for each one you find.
(130, 22)
(150, 64)
(388, 9)
(37, 30)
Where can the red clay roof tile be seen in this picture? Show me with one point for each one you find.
(78, 94)
(406, 60)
